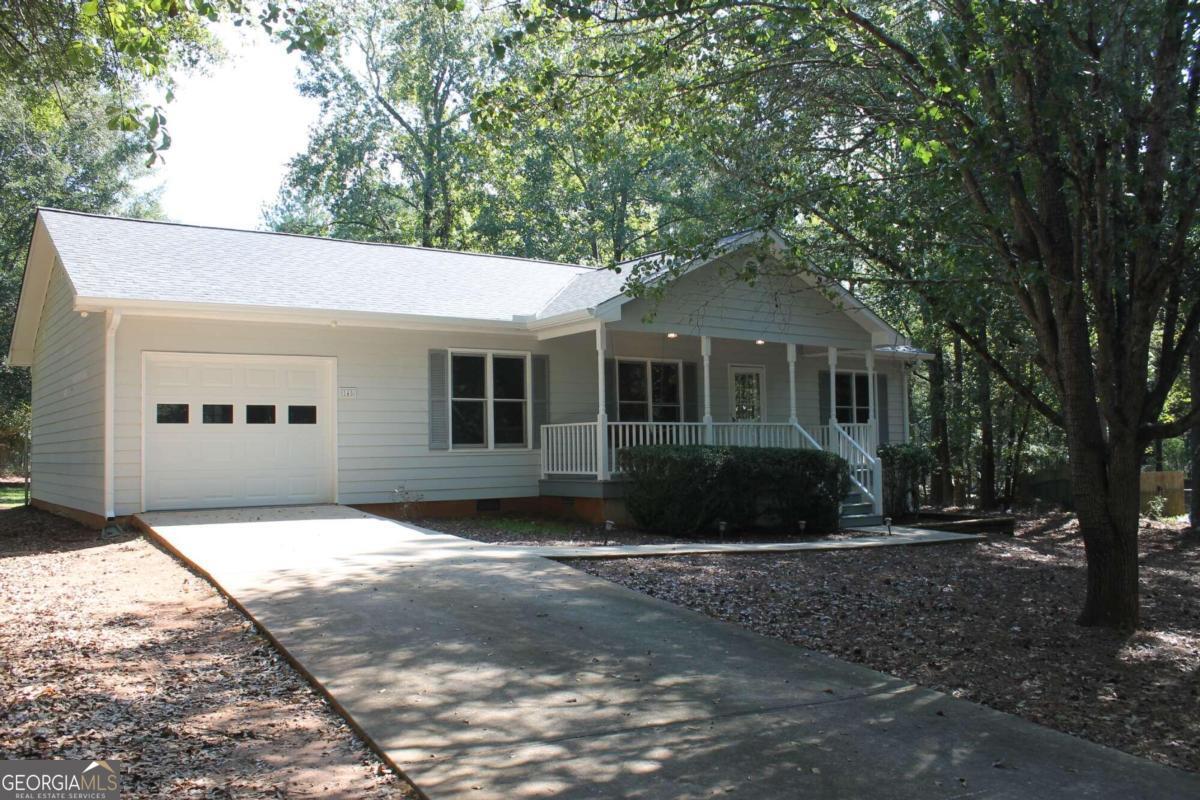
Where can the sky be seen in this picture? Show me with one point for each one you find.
(233, 130)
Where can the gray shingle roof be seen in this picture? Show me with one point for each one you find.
(123, 259)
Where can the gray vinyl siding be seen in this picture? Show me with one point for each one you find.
(715, 303)
(68, 403)
(383, 434)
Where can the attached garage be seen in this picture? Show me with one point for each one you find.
(233, 430)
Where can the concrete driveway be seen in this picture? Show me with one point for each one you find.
(487, 674)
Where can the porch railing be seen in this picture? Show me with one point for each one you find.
(571, 448)
(866, 473)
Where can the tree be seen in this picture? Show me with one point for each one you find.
(60, 154)
(1042, 152)
(1194, 438)
(387, 161)
(49, 47)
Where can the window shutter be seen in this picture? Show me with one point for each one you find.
(610, 389)
(823, 396)
(439, 405)
(541, 396)
(881, 400)
(690, 400)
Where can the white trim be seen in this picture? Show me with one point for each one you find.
(678, 362)
(488, 400)
(329, 362)
(112, 320)
(761, 369)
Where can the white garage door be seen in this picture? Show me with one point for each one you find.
(229, 431)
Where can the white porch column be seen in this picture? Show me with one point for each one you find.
(791, 357)
(603, 468)
(832, 388)
(706, 356)
(872, 414)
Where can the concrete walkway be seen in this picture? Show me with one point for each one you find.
(881, 538)
(485, 674)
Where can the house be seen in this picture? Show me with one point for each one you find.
(177, 366)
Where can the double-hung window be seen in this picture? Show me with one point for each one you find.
(852, 401)
(649, 391)
(489, 400)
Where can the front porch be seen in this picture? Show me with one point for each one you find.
(676, 407)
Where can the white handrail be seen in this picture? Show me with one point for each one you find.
(864, 468)
(571, 448)
(805, 436)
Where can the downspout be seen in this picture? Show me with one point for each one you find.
(112, 319)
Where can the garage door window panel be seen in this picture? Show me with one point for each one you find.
(260, 415)
(172, 413)
(302, 415)
(217, 414)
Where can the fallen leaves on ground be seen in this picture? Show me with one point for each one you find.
(111, 649)
(992, 622)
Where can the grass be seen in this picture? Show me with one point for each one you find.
(525, 526)
(12, 495)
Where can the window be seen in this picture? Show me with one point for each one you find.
(852, 401)
(489, 400)
(218, 414)
(649, 391)
(302, 415)
(172, 413)
(468, 401)
(508, 400)
(260, 415)
(746, 392)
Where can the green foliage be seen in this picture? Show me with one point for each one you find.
(906, 468)
(687, 489)
(52, 47)
(424, 139)
(60, 154)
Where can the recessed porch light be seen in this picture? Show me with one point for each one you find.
(760, 341)
(672, 335)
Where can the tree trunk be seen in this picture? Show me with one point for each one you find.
(962, 487)
(1194, 438)
(1106, 463)
(1108, 521)
(943, 481)
(987, 443)
(1014, 468)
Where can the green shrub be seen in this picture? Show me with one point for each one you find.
(686, 489)
(906, 467)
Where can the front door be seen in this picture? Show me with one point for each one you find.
(747, 389)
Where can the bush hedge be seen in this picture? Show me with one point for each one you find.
(906, 467)
(688, 489)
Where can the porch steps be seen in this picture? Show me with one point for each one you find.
(856, 513)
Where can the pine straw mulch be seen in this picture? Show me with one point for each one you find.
(111, 649)
(991, 622)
